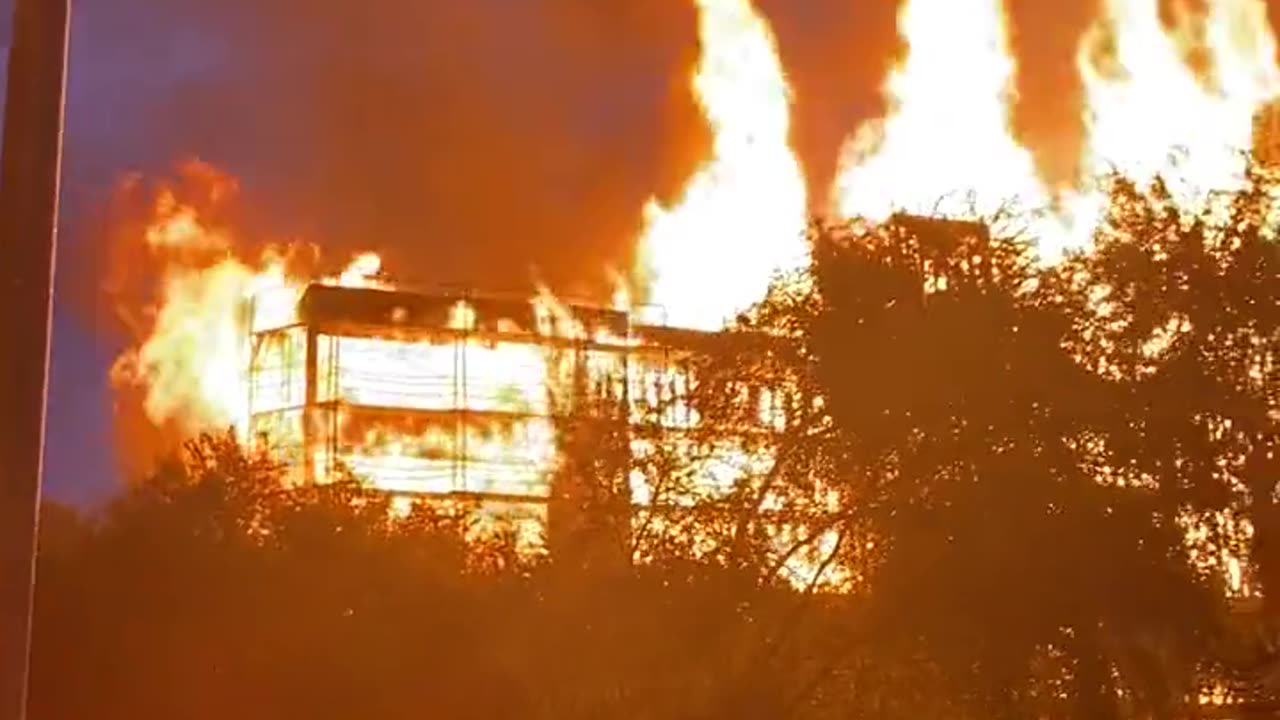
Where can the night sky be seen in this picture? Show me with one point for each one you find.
(473, 143)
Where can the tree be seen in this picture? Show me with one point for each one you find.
(977, 451)
(212, 590)
(1187, 312)
(1185, 308)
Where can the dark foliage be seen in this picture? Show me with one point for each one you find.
(1007, 457)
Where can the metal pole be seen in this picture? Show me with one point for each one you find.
(29, 175)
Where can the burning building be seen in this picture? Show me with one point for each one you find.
(456, 398)
(448, 396)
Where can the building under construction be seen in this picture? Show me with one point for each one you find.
(459, 398)
(449, 396)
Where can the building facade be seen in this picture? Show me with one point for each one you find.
(457, 398)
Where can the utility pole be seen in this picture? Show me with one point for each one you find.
(30, 161)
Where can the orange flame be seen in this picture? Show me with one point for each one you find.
(946, 147)
(742, 216)
(194, 356)
(1177, 102)
(1147, 107)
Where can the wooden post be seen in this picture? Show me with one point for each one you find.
(29, 174)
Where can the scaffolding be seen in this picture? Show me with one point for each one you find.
(404, 391)
(463, 403)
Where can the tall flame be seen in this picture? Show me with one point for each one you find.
(1186, 95)
(946, 146)
(742, 216)
(194, 356)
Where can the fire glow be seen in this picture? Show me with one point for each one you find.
(947, 137)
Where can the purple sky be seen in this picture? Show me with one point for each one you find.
(108, 92)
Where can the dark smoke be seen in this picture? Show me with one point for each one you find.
(474, 141)
(471, 141)
(836, 53)
(1045, 38)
